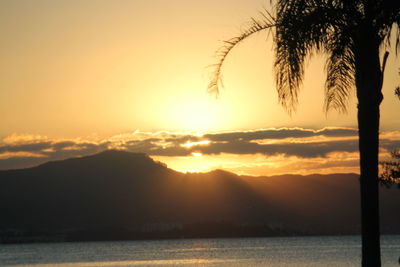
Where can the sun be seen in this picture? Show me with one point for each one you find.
(196, 114)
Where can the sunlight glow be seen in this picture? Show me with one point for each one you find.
(194, 110)
(198, 143)
(196, 154)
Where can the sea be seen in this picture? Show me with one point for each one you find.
(274, 251)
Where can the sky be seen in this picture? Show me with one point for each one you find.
(79, 77)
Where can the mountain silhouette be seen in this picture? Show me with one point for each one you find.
(131, 191)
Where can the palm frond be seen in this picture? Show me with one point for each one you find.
(340, 70)
(396, 21)
(266, 22)
(302, 27)
(387, 17)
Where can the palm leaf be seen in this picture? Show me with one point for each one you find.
(266, 22)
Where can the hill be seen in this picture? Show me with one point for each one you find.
(123, 195)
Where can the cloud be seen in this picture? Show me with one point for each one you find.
(304, 150)
(275, 165)
(27, 151)
(30, 147)
(281, 133)
(288, 142)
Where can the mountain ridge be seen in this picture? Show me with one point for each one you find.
(131, 191)
(111, 152)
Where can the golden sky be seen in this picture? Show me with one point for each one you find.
(96, 70)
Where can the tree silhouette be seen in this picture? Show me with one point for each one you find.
(352, 34)
(390, 174)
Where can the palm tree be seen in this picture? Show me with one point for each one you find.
(352, 34)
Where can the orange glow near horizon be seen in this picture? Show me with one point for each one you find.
(259, 165)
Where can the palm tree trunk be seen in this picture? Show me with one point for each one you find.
(369, 83)
(368, 123)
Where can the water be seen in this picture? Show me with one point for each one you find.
(282, 251)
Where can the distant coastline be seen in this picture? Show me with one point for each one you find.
(191, 231)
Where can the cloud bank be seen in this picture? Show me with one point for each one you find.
(305, 145)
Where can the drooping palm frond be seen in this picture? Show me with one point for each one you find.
(305, 27)
(387, 17)
(339, 80)
(340, 68)
(266, 22)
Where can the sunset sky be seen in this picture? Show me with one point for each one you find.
(78, 77)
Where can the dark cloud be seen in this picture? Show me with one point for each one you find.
(178, 140)
(389, 144)
(22, 154)
(32, 147)
(338, 132)
(304, 150)
(62, 144)
(157, 147)
(46, 151)
(281, 134)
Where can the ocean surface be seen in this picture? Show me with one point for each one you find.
(277, 251)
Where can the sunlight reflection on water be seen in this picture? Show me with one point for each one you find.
(284, 251)
(195, 262)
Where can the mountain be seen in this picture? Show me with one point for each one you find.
(117, 194)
